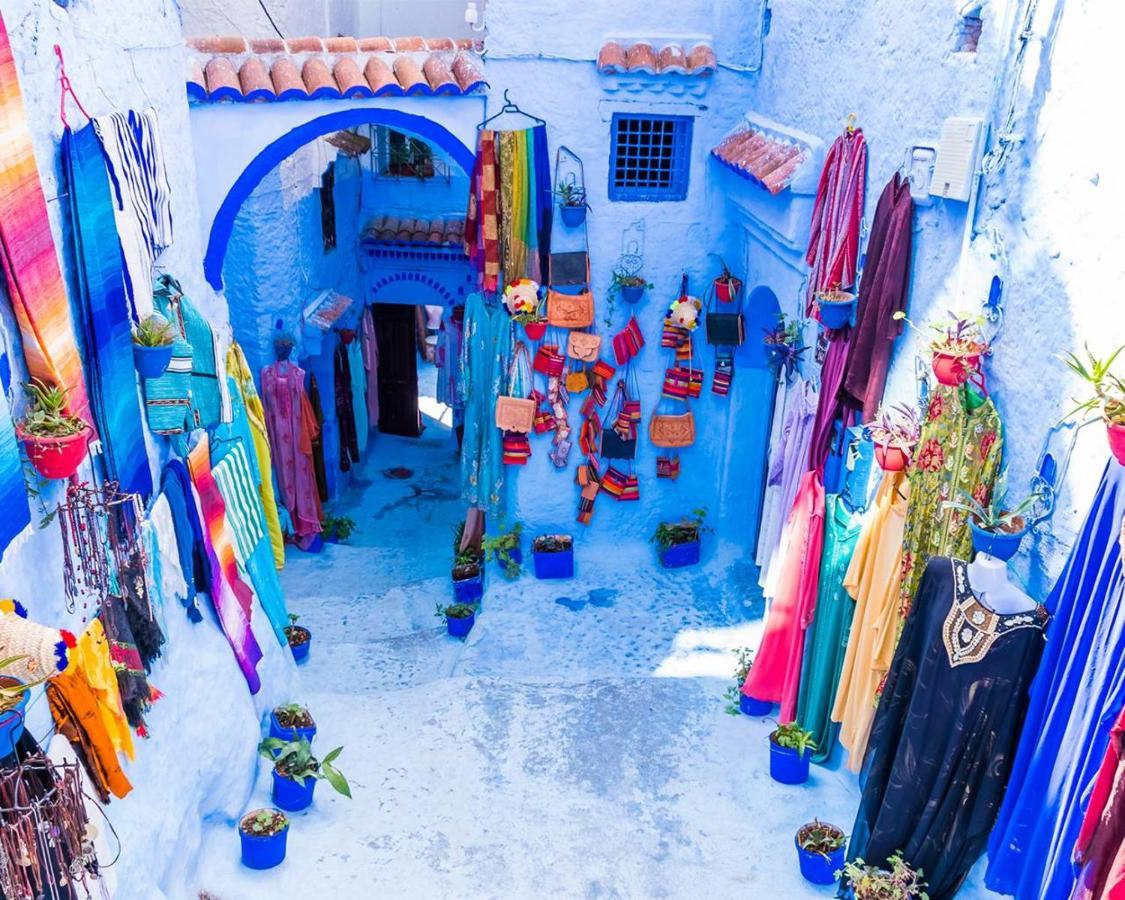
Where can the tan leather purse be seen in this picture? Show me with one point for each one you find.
(672, 431)
(583, 346)
(577, 382)
(570, 310)
(516, 413)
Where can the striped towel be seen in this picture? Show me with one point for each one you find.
(142, 209)
(244, 508)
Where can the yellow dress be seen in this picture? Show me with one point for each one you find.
(239, 369)
(90, 658)
(873, 582)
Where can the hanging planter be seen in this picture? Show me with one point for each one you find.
(553, 555)
(997, 529)
(296, 772)
(727, 287)
(468, 583)
(791, 746)
(954, 369)
(1108, 397)
(13, 707)
(571, 191)
(835, 309)
(956, 350)
(292, 722)
(631, 287)
(535, 327)
(153, 340)
(820, 851)
(895, 432)
(1002, 543)
(300, 639)
(1116, 433)
(678, 543)
(263, 833)
(459, 618)
(55, 441)
(782, 343)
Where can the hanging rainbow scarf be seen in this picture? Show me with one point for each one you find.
(13, 491)
(231, 596)
(27, 250)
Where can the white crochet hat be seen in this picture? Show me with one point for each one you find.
(45, 650)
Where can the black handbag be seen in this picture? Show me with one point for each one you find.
(724, 329)
(614, 446)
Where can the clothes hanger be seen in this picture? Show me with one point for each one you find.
(510, 107)
(852, 124)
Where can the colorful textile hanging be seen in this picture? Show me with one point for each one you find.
(370, 351)
(517, 449)
(13, 490)
(104, 313)
(179, 493)
(836, 218)
(292, 428)
(232, 598)
(345, 408)
(482, 221)
(142, 209)
(27, 250)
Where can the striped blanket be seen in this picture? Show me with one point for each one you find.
(27, 250)
(13, 492)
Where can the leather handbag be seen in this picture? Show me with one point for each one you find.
(570, 268)
(614, 446)
(672, 431)
(583, 346)
(570, 310)
(725, 329)
(516, 414)
(577, 382)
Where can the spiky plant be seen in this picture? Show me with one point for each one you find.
(46, 416)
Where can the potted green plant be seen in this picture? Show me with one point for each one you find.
(900, 882)
(736, 700)
(1108, 398)
(337, 529)
(299, 637)
(790, 749)
(458, 618)
(553, 555)
(956, 346)
(506, 549)
(55, 441)
(263, 833)
(468, 569)
(895, 432)
(678, 542)
(782, 343)
(291, 721)
(727, 287)
(533, 324)
(153, 339)
(997, 526)
(820, 851)
(835, 308)
(572, 202)
(296, 772)
(630, 287)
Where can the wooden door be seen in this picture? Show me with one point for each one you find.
(396, 333)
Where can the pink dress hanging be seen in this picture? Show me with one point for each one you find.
(292, 427)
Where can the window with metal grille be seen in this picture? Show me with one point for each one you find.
(649, 157)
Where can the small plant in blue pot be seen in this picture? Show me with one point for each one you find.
(553, 555)
(458, 618)
(296, 772)
(737, 702)
(263, 833)
(790, 749)
(153, 339)
(835, 309)
(337, 529)
(468, 582)
(997, 527)
(899, 882)
(572, 202)
(299, 637)
(678, 542)
(292, 721)
(631, 287)
(506, 549)
(820, 851)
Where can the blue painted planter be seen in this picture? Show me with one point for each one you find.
(516, 555)
(554, 565)
(836, 314)
(263, 852)
(818, 868)
(315, 545)
(679, 555)
(632, 294)
(11, 725)
(469, 590)
(751, 706)
(301, 651)
(1001, 546)
(291, 795)
(572, 216)
(787, 766)
(290, 734)
(151, 362)
(460, 628)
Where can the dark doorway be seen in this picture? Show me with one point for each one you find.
(397, 334)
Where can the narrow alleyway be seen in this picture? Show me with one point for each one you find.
(574, 746)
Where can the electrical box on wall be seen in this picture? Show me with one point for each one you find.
(957, 155)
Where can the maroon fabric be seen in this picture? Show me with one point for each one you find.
(882, 292)
(829, 406)
(1100, 848)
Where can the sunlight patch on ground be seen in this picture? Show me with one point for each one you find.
(708, 652)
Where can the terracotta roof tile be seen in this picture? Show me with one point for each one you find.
(232, 68)
(405, 231)
(768, 161)
(618, 56)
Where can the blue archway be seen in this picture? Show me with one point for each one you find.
(272, 154)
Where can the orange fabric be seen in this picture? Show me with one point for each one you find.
(74, 706)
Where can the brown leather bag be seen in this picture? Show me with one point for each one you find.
(583, 346)
(672, 431)
(516, 413)
(570, 310)
(577, 382)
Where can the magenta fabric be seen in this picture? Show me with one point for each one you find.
(837, 214)
(830, 405)
(776, 673)
(292, 426)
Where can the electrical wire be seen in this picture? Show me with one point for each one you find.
(262, 4)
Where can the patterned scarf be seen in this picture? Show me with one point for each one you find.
(837, 214)
(482, 228)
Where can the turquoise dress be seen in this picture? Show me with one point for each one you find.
(485, 353)
(826, 639)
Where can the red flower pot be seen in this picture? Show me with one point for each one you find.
(1116, 434)
(55, 457)
(727, 291)
(891, 459)
(953, 369)
(536, 330)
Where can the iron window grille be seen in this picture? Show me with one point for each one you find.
(649, 157)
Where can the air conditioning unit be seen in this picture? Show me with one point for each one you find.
(958, 153)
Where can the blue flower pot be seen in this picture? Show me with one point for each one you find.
(291, 795)
(835, 315)
(679, 555)
(632, 294)
(751, 706)
(1001, 546)
(459, 628)
(573, 216)
(516, 555)
(290, 734)
(11, 726)
(301, 651)
(315, 545)
(554, 565)
(263, 852)
(469, 590)
(818, 868)
(151, 362)
(788, 766)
